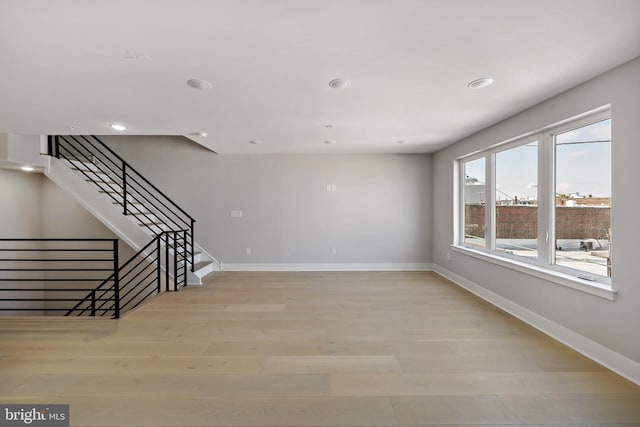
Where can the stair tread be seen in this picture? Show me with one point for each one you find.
(202, 264)
(101, 180)
(128, 203)
(96, 172)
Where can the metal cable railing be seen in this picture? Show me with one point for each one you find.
(137, 279)
(81, 277)
(126, 187)
(50, 275)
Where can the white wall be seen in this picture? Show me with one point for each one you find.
(614, 325)
(380, 212)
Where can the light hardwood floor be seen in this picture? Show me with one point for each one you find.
(310, 349)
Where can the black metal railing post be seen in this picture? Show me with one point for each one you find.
(166, 261)
(193, 252)
(175, 261)
(159, 262)
(124, 187)
(93, 303)
(57, 146)
(116, 282)
(186, 256)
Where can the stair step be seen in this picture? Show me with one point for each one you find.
(202, 265)
(129, 203)
(83, 164)
(90, 171)
(108, 187)
(101, 180)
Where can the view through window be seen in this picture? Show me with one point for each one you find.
(583, 198)
(474, 202)
(516, 198)
(548, 198)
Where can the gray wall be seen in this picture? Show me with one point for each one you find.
(20, 204)
(380, 213)
(31, 206)
(611, 324)
(20, 217)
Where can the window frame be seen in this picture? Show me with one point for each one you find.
(461, 216)
(544, 265)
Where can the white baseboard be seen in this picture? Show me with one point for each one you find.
(401, 266)
(597, 352)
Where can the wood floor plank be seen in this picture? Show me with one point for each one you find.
(310, 349)
(181, 412)
(331, 364)
(480, 384)
(462, 410)
(136, 364)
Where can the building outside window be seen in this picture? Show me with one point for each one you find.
(544, 199)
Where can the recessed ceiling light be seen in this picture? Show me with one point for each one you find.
(402, 141)
(340, 83)
(480, 83)
(255, 141)
(199, 84)
(200, 134)
(71, 127)
(328, 126)
(27, 168)
(118, 127)
(329, 141)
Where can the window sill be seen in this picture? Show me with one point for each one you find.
(594, 288)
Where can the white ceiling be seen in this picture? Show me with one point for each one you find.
(64, 63)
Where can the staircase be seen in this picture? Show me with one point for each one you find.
(126, 202)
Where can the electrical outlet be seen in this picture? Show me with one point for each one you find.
(333, 187)
(247, 251)
(235, 214)
(448, 256)
(333, 251)
(328, 187)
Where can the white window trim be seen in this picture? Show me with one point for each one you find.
(544, 265)
(569, 280)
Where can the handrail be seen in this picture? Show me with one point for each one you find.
(142, 176)
(140, 198)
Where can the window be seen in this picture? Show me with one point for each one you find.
(516, 200)
(474, 202)
(583, 198)
(544, 199)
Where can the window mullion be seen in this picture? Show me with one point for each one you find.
(490, 208)
(546, 200)
(458, 201)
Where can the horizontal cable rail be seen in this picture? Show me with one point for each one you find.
(137, 279)
(43, 275)
(51, 275)
(126, 187)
